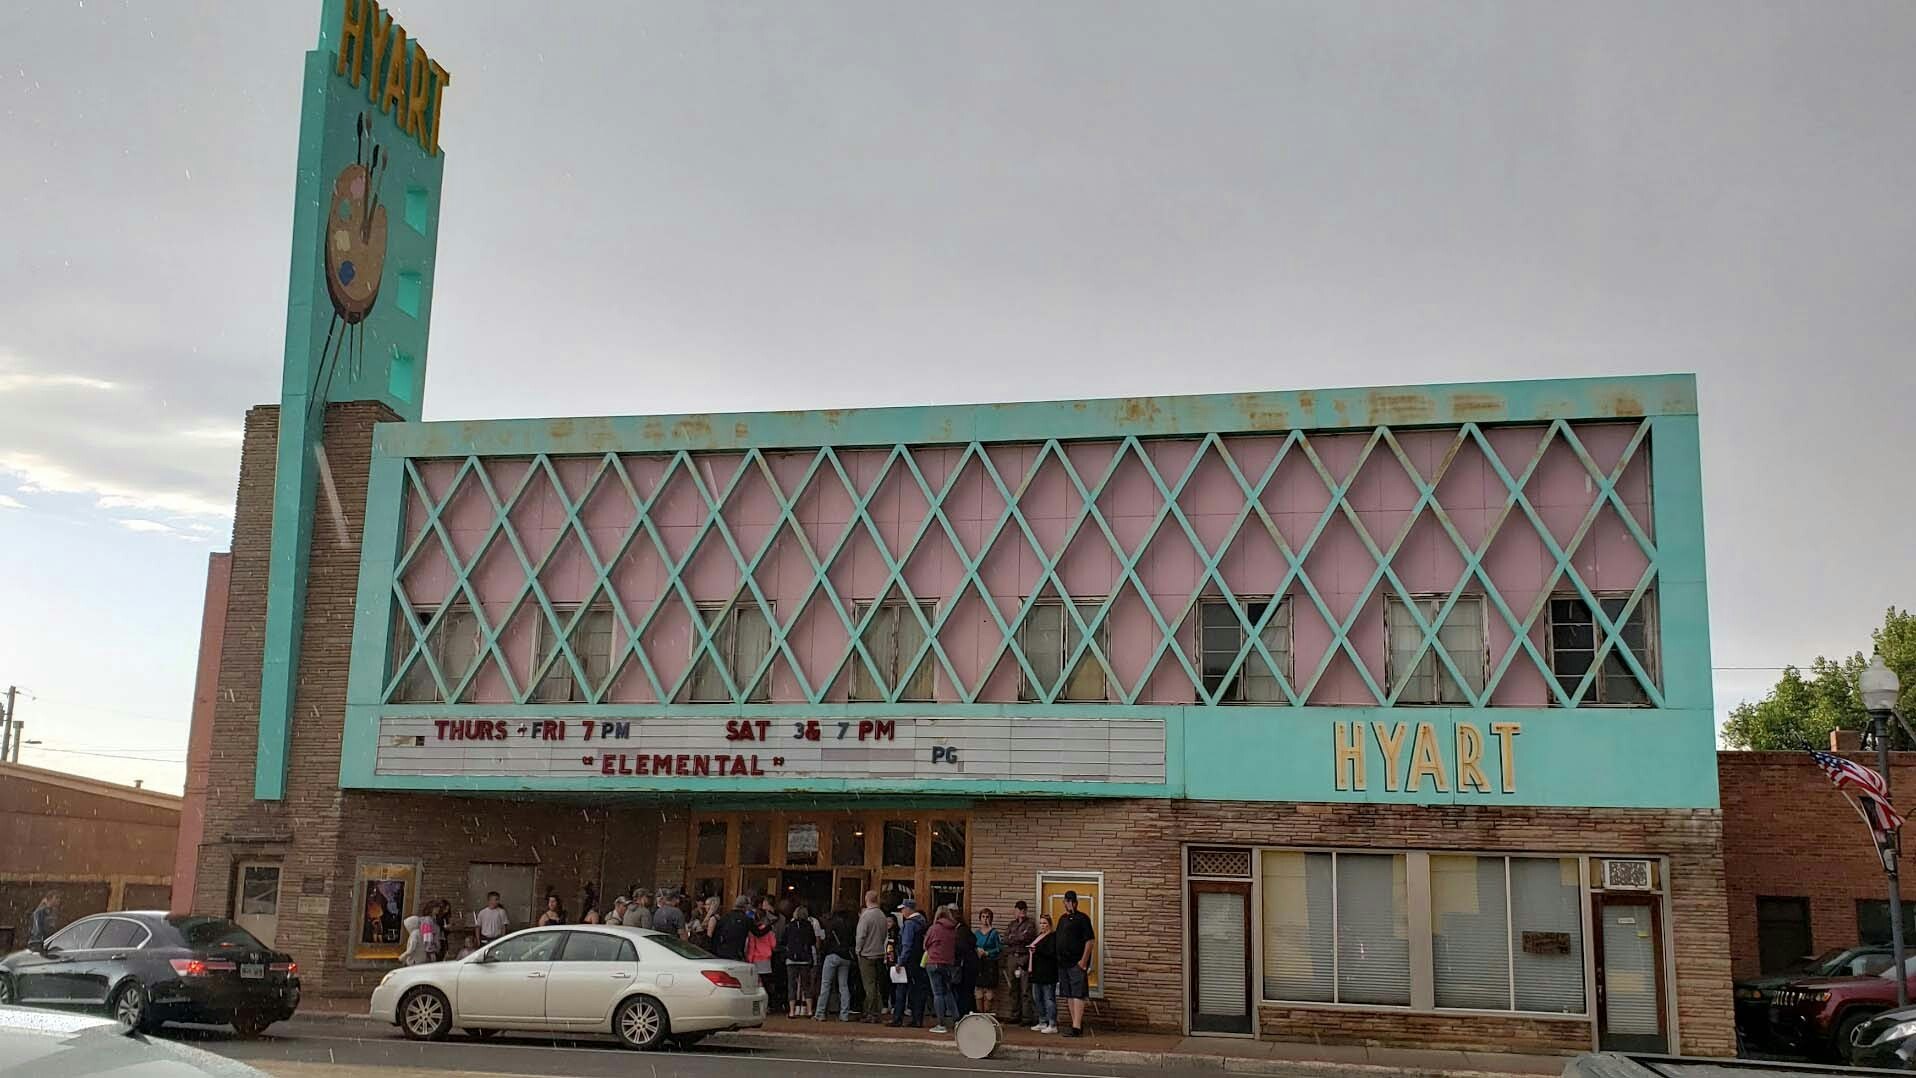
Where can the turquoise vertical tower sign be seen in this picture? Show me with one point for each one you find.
(365, 229)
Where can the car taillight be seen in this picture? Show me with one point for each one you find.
(200, 967)
(721, 978)
(288, 968)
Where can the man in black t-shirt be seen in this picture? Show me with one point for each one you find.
(1073, 945)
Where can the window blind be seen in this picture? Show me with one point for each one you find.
(1373, 930)
(1547, 927)
(1469, 932)
(1298, 940)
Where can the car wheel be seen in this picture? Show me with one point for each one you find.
(1847, 1032)
(641, 1023)
(6, 990)
(250, 1023)
(130, 1007)
(425, 1015)
(482, 1034)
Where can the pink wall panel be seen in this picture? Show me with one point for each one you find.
(1383, 498)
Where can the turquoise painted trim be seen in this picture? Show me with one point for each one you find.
(295, 482)
(1676, 493)
(1306, 410)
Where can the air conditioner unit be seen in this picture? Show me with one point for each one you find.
(1626, 875)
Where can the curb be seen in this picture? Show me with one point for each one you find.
(819, 1046)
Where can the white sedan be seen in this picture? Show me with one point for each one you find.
(639, 985)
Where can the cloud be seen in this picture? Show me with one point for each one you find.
(220, 435)
(41, 475)
(146, 526)
(12, 381)
(11, 503)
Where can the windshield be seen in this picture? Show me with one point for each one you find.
(681, 948)
(1830, 961)
(214, 934)
(1889, 972)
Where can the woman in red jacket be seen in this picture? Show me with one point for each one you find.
(941, 962)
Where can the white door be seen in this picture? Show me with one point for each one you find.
(504, 986)
(591, 975)
(256, 899)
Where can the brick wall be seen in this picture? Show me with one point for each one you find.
(1136, 845)
(1787, 832)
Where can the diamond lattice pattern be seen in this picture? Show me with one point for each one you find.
(1129, 571)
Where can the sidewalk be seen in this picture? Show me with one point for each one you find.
(1237, 1055)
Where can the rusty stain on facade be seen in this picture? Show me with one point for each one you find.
(1138, 410)
(741, 430)
(1621, 404)
(653, 431)
(693, 428)
(560, 428)
(1477, 407)
(1398, 409)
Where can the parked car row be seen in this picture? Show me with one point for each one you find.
(1840, 1005)
(148, 969)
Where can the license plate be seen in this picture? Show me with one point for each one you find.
(758, 1010)
(253, 971)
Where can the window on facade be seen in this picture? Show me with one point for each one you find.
(947, 843)
(754, 842)
(1575, 637)
(893, 638)
(1872, 921)
(1503, 933)
(1221, 636)
(901, 842)
(591, 641)
(1048, 637)
(742, 640)
(948, 892)
(1782, 933)
(454, 644)
(801, 843)
(711, 849)
(1426, 679)
(848, 843)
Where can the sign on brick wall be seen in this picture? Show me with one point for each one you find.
(1024, 749)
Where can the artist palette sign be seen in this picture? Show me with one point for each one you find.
(778, 750)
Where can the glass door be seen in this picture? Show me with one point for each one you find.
(256, 899)
(1630, 974)
(1220, 957)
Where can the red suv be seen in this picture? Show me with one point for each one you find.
(1820, 1016)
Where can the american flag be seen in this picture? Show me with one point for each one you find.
(1870, 789)
(1850, 775)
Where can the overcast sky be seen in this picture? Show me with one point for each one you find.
(675, 207)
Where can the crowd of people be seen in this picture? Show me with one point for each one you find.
(909, 964)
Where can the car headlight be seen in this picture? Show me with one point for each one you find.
(1898, 1032)
(1819, 997)
(388, 978)
(1749, 993)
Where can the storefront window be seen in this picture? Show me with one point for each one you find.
(708, 887)
(1298, 948)
(754, 842)
(1546, 924)
(901, 842)
(711, 849)
(1373, 931)
(949, 892)
(848, 843)
(947, 843)
(1504, 932)
(892, 892)
(801, 844)
(1469, 932)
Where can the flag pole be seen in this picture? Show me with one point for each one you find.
(1889, 846)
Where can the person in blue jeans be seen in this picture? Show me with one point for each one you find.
(836, 968)
(941, 962)
(1044, 977)
(909, 956)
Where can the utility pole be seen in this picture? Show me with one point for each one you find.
(6, 728)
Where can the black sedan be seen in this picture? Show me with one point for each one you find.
(146, 969)
(1887, 1041)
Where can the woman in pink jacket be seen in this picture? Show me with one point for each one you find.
(941, 962)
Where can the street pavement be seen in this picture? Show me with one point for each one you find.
(311, 1048)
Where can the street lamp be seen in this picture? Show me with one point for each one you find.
(1880, 688)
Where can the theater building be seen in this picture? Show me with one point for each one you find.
(1357, 715)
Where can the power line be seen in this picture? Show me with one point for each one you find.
(110, 755)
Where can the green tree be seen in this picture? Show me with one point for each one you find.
(1805, 706)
